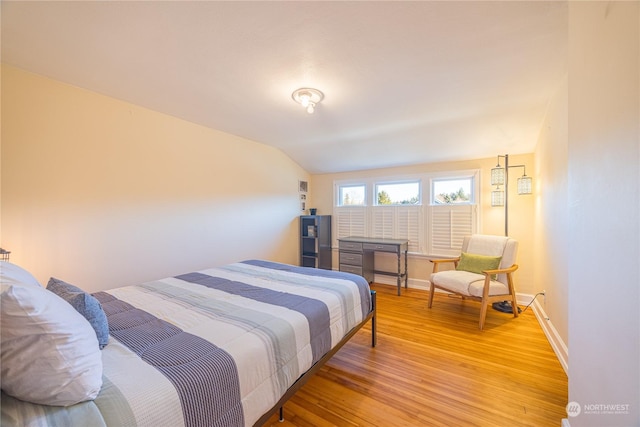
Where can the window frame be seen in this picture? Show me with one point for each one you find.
(366, 216)
(465, 175)
(338, 193)
(377, 183)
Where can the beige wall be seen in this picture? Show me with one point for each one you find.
(491, 219)
(604, 210)
(551, 218)
(103, 193)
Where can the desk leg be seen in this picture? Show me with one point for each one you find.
(399, 279)
(406, 271)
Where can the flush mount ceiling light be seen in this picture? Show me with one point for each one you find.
(308, 98)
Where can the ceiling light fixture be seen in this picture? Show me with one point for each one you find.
(308, 98)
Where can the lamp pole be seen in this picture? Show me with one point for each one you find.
(506, 195)
(524, 186)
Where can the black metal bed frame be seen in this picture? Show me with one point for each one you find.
(316, 367)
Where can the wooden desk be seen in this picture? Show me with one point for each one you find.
(357, 256)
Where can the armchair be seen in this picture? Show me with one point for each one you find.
(483, 272)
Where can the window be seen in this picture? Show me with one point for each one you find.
(452, 213)
(452, 191)
(403, 193)
(398, 211)
(351, 195)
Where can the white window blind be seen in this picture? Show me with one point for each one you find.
(432, 227)
(388, 222)
(408, 227)
(382, 222)
(398, 222)
(350, 221)
(448, 224)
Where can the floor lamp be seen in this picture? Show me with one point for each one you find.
(500, 176)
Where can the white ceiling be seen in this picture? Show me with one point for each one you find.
(404, 82)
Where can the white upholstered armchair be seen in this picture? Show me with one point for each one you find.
(483, 272)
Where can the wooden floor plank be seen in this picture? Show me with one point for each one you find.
(434, 367)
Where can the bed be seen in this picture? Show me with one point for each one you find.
(224, 346)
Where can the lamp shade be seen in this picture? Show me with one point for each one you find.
(497, 198)
(524, 184)
(497, 176)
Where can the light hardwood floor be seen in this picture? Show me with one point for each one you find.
(434, 367)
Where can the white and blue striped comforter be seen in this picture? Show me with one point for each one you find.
(218, 347)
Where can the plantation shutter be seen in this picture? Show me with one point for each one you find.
(408, 226)
(382, 222)
(398, 222)
(448, 226)
(349, 221)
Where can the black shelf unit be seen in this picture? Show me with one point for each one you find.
(315, 241)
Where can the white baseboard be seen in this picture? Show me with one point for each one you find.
(392, 281)
(559, 347)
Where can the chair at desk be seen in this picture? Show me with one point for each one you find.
(483, 272)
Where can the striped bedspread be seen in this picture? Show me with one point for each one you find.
(218, 347)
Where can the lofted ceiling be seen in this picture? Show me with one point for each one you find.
(404, 82)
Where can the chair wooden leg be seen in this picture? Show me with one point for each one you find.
(431, 292)
(514, 299)
(485, 300)
(483, 312)
(514, 305)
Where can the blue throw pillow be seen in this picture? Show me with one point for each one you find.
(85, 304)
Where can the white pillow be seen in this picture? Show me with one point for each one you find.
(49, 353)
(12, 274)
